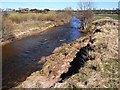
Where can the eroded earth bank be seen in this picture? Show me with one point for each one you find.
(90, 61)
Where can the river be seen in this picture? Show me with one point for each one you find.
(20, 58)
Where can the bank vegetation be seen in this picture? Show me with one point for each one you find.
(16, 25)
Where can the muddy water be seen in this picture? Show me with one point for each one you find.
(20, 58)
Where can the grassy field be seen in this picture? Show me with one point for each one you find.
(22, 17)
(114, 16)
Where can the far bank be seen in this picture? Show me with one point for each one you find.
(19, 25)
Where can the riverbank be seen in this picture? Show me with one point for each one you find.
(91, 61)
(27, 52)
(33, 31)
(17, 26)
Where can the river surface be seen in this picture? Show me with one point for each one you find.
(20, 58)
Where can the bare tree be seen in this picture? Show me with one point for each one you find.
(86, 12)
(68, 10)
(85, 5)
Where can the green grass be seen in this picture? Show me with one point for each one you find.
(114, 16)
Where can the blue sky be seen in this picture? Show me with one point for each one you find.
(55, 5)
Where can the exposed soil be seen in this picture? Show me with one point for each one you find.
(91, 61)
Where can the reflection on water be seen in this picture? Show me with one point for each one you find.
(20, 58)
(75, 22)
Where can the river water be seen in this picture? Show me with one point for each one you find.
(20, 58)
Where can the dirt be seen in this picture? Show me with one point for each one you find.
(91, 61)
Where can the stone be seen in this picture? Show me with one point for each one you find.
(42, 60)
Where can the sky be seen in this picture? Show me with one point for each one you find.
(55, 5)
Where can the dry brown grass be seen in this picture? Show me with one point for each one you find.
(13, 22)
(20, 17)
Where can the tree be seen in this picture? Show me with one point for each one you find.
(86, 12)
(85, 5)
(68, 10)
(46, 10)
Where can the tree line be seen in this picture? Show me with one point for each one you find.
(27, 10)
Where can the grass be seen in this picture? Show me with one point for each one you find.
(20, 17)
(114, 16)
(111, 71)
(13, 22)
